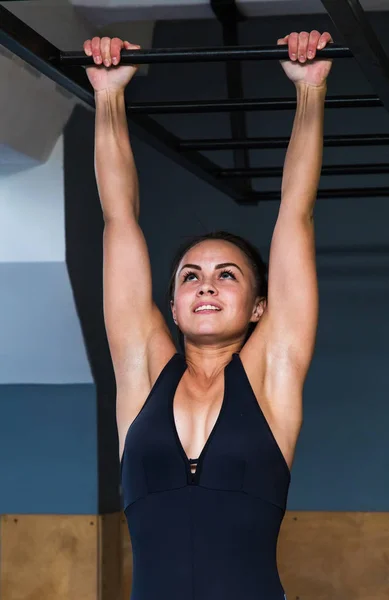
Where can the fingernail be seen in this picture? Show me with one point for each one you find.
(98, 59)
(293, 56)
(114, 60)
(302, 57)
(310, 54)
(107, 62)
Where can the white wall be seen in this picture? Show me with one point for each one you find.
(32, 212)
(40, 339)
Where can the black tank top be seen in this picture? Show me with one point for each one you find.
(211, 535)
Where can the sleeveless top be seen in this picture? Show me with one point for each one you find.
(212, 535)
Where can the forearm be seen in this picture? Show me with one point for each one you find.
(115, 169)
(303, 159)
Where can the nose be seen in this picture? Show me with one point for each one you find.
(206, 288)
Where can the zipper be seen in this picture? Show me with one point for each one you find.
(192, 476)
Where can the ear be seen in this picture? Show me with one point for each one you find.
(173, 309)
(258, 310)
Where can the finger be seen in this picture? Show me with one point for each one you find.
(96, 50)
(106, 51)
(303, 39)
(116, 46)
(88, 47)
(325, 39)
(293, 40)
(129, 46)
(313, 41)
(282, 41)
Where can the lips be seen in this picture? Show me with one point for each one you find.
(206, 307)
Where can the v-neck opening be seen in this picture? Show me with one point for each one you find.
(194, 477)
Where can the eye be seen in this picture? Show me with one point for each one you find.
(227, 272)
(188, 275)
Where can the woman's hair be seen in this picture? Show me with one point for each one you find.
(253, 256)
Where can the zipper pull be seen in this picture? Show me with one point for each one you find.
(192, 464)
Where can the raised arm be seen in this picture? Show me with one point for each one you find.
(135, 328)
(290, 320)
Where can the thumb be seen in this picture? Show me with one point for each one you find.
(283, 40)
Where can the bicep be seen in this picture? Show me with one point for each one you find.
(132, 320)
(288, 326)
(293, 290)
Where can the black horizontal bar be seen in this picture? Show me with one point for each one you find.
(374, 192)
(210, 106)
(207, 54)
(351, 21)
(362, 249)
(368, 169)
(376, 139)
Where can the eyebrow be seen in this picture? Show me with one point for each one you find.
(221, 266)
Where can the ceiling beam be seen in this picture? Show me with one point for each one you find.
(35, 50)
(271, 143)
(229, 17)
(352, 23)
(211, 106)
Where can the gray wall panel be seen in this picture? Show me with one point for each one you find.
(48, 449)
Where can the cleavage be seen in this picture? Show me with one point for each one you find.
(195, 415)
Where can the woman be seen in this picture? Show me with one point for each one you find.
(205, 483)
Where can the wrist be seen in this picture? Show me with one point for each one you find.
(302, 85)
(109, 93)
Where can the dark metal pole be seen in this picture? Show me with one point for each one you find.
(229, 17)
(200, 54)
(349, 18)
(268, 143)
(211, 106)
(367, 169)
(374, 192)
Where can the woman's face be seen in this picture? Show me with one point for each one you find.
(214, 297)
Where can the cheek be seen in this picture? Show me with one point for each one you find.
(241, 300)
(183, 297)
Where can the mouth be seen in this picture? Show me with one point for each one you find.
(207, 309)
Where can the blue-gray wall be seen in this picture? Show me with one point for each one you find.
(342, 456)
(48, 449)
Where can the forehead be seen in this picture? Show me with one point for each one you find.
(211, 252)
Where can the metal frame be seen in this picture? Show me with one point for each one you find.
(210, 106)
(229, 17)
(65, 68)
(349, 18)
(268, 143)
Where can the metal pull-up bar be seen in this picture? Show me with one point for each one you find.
(209, 54)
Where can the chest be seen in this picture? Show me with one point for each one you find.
(222, 427)
(195, 411)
